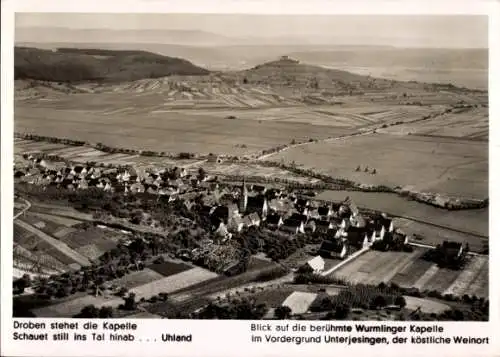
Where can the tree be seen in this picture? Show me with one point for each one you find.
(201, 174)
(378, 302)
(400, 301)
(342, 311)
(130, 303)
(88, 312)
(106, 312)
(282, 312)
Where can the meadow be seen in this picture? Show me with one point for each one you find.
(410, 270)
(447, 166)
(168, 132)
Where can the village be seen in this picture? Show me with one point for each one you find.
(337, 230)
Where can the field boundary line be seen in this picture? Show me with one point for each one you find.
(344, 262)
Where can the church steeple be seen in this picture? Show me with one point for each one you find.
(242, 206)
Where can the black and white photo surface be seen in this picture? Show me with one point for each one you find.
(251, 167)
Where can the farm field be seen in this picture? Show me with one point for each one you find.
(168, 132)
(38, 240)
(74, 305)
(442, 165)
(374, 267)
(410, 270)
(426, 305)
(471, 123)
(168, 268)
(474, 221)
(136, 278)
(434, 235)
(299, 301)
(249, 170)
(173, 282)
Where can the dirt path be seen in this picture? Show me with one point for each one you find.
(60, 246)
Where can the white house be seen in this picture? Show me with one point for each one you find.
(317, 264)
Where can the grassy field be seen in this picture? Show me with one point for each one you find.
(299, 301)
(447, 166)
(474, 221)
(74, 305)
(169, 132)
(375, 267)
(137, 278)
(272, 297)
(472, 123)
(409, 270)
(426, 305)
(434, 235)
(173, 283)
(169, 268)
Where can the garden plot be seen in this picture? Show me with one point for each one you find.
(462, 285)
(299, 301)
(425, 305)
(174, 282)
(272, 297)
(409, 276)
(57, 220)
(73, 306)
(374, 267)
(441, 280)
(136, 278)
(418, 163)
(91, 251)
(169, 268)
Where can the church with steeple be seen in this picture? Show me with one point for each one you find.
(243, 202)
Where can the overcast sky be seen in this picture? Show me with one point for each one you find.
(413, 30)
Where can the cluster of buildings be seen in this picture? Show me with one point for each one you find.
(231, 209)
(167, 182)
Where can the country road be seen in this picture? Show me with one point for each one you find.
(57, 244)
(28, 206)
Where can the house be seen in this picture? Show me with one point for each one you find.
(236, 224)
(316, 264)
(313, 213)
(310, 227)
(136, 188)
(356, 237)
(274, 221)
(252, 220)
(257, 204)
(302, 202)
(325, 211)
(336, 249)
(299, 217)
(292, 226)
(220, 214)
(324, 227)
(259, 189)
(222, 232)
(452, 250)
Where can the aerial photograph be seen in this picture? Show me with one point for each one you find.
(251, 167)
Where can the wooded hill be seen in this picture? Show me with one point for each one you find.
(77, 65)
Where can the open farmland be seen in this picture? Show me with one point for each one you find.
(426, 305)
(168, 268)
(473, 221)
(173, 282)
(168, 132)
(374, 267)
(299, 301)
(427, 234)
(136, 278)
(52, 246)
(74, 305)
(410, 270)
(471, 123)
(447, 166)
